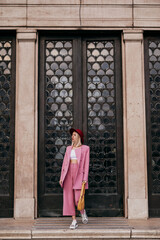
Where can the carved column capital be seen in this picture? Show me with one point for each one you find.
(132, 35)
(26, 34)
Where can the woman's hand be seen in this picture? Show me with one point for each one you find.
(60, 182)
(84, 182)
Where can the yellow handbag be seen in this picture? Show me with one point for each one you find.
(80, 205)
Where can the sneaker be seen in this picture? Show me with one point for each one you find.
(73, 225)
(84, 217)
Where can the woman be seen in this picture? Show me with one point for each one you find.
(74, 171)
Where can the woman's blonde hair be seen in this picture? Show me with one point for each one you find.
(79, 143)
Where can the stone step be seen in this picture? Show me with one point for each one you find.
(79, 234)
(97, 228)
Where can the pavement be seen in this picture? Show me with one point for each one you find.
(97, 228)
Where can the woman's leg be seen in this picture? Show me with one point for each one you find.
(68, 196)
(77, 194)
(74, 217)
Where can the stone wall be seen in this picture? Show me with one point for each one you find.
(130, 16)
(79, 13)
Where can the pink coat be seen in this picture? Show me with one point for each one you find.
(82, 154)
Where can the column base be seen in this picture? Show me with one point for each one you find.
(137, 208)
(24, 208)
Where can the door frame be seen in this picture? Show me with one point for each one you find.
(151, 199)
(87, 35)
(9, 198)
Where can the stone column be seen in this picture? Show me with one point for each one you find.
(24, 195)
(136, 191)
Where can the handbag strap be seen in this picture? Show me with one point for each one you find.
(83, 189)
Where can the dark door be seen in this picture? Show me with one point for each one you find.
(152, 77)
(80, 86)
(7, 93)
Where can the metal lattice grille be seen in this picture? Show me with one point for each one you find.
(154, 75)
(101, 116)
(58, 109)
(5, 92)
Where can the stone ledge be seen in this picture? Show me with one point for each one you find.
(145, 233)
(79, 233)
(15, 234)
(96, 229)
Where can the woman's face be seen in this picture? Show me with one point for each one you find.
(75, 137)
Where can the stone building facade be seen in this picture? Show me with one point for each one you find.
(94, 65)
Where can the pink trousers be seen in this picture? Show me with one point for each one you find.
(70, 195)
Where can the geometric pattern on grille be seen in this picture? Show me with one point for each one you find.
(154, 76)
(101, 117)
(5, 92)
(58, 109)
